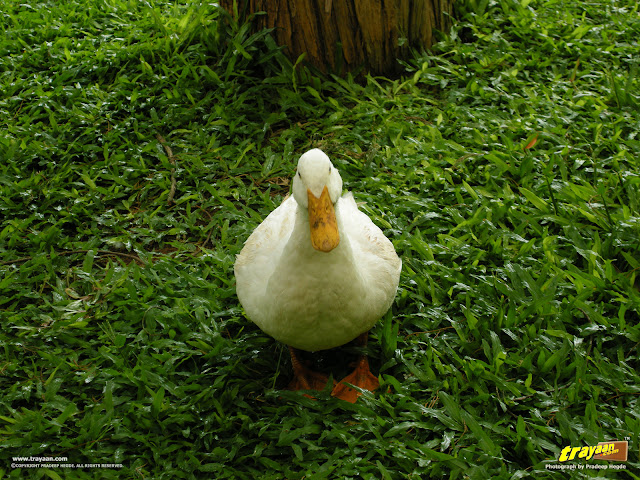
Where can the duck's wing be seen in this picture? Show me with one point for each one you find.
(373, 252)
(256, 262)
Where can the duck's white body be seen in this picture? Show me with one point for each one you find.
(310, 299)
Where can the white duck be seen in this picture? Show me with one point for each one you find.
(317, 273)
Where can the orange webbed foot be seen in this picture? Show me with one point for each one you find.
(361, 377)
(308, 380)
(303, 377)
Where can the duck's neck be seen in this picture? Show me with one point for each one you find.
(302, 270)
(300, 242)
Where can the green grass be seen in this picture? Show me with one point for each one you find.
(504, 166)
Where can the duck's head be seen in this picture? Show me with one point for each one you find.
(317, 186)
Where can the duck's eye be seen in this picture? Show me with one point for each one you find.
(329, 170)
(299, 176)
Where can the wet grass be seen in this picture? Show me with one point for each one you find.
(140, 146)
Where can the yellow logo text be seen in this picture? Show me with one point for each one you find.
(602, 450)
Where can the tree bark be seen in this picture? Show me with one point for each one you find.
(349, 35)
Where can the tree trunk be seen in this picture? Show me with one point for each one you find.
(347, 35)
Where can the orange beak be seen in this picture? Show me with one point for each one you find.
(322, 222)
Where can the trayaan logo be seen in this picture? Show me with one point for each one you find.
(579, 458)
(616, 451)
